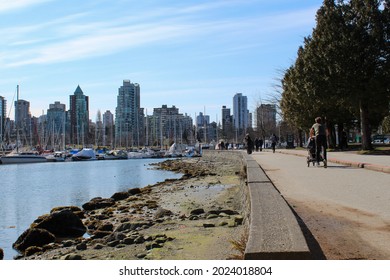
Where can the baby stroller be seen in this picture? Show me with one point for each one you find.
(311, 153)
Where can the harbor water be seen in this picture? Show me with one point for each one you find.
(31, 190)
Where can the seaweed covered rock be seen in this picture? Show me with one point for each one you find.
(33, 237)
(63, 223)
(98, 203)
(120, 196)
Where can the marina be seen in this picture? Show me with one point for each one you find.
(31, 190)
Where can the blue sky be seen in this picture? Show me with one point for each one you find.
(195, 55)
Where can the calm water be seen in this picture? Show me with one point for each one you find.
(30, 190)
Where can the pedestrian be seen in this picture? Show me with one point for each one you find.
(249, 144)
(257, 144)
(319, 132)
(344, 140)
(261, 144)
(273, 139)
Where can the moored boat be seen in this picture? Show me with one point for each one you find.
(22, 157)
(113, 154)
(56, 157)
(84, 154)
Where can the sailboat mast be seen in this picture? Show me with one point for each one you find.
(17, 119)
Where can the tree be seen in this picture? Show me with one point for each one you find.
(342, 71)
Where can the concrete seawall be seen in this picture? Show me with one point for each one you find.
(274, 232)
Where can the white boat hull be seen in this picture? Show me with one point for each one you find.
(22, 159)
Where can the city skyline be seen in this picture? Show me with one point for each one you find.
(194, 55)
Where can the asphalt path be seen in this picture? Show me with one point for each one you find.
(342, 205)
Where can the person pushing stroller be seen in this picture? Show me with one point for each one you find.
(318, 132)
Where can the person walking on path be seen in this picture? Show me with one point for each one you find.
(257, 144)
(249, 144)
(318, 131)
(273, 139)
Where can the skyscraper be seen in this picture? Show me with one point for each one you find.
(167, 125)
(79, 117)
(3, 116)
(55, 127)
(128, 122)
(108, 129)
(23, 119)
(240, 113)
(226, 120)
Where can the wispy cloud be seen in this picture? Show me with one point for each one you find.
(8, 5)
(70, 38)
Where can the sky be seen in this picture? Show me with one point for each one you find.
(195, 55)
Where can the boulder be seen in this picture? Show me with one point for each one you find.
(63, 223)
(226, 211)
(132, 226)
(73, 257)
(161, 212)
(197, 211)
(120, 196)
(98, 203)
(1, 254)
(32, 250)
(134, 191)
(33, 237)
(106, 227)
(119, 236)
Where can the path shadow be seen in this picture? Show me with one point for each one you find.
(314, 246)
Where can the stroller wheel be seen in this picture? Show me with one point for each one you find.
(325, 163)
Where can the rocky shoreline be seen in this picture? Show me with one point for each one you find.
(199, 216)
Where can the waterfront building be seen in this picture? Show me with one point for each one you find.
(203, 128)
(240, 114)
(79, 117)
(227, 122)
(167, 126)
(23, 121)
(55, 126)
(3, 116)
(108, 129)
(128, 115)
(202, 120)
(99, 130)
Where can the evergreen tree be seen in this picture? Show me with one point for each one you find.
(342, 71)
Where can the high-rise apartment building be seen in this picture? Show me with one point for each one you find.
(3, 116)
(79, 117)
(167, 125)
(227, 120)
(202, 120)
(23, 120)
(55, 125)
(108, 129)
(240, 113)
(128, 115)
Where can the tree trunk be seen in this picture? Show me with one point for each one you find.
(330, 132)
(340, 128)
(365, 127)
(300, 139)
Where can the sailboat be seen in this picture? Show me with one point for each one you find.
(21, 157)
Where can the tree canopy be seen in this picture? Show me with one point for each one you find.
(342, 70)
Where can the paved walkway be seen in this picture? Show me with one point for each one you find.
(345, 208)
(379, 163)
